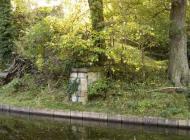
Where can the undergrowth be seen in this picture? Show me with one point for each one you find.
(112, 96)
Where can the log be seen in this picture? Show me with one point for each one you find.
(171, 90)
(19, 67)
(3, 74)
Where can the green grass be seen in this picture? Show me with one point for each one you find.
(122, 98)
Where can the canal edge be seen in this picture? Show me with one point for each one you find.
(103, 117)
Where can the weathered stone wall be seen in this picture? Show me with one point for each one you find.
(84, 77)
(94, 76)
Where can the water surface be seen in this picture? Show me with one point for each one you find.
(16, 127)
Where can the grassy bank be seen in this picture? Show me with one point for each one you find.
(113, 96)
(133, 94)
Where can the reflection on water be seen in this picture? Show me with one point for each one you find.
(14, 127)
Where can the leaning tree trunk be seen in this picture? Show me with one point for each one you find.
(178, 62)
(97, 19)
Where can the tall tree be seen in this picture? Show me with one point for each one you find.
(6, 30)
(97, 18)
(178, 62)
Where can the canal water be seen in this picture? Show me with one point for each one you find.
(20, 127)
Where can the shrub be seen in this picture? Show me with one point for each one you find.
(98, 89)
(55, 45)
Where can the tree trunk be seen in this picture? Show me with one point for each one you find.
(97, 18)
(178, 62)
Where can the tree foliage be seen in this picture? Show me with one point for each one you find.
(6, 30)
(128, 38)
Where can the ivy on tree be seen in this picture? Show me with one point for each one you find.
(97, 19)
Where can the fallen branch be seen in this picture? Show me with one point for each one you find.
(19, 67)
(170, 90)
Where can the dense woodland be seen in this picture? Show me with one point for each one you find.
(141, 46)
